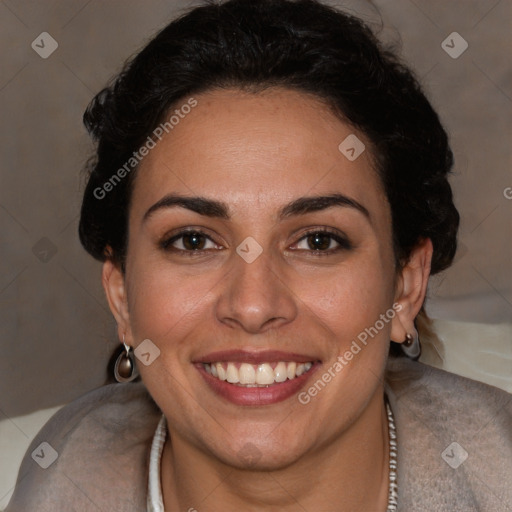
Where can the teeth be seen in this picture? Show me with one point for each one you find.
(280, 372)
(247, 374)
(290, 370)
(220, 371)
(263, 374)
(232, 374)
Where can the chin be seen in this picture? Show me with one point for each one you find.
(261, 455)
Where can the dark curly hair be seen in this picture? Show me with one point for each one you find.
(297, 44)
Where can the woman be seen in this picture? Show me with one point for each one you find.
(269, 198)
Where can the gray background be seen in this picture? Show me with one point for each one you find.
(56, 330)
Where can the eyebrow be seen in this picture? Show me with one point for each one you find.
(217, 209)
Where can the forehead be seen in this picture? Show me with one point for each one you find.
(257, 150)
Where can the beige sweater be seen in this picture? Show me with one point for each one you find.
(103, 441)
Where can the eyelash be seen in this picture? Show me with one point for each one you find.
(341, 240)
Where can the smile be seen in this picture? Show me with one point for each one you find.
(256, 375)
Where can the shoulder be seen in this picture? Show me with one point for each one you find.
(410, 377)
(455, 438)
(92, 454)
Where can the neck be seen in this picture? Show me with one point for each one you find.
(349, 472)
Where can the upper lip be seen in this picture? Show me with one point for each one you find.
(254, 357)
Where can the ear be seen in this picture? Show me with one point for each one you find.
(411, 289)
(113, 281)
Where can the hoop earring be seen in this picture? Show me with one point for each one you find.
(125, 369)
(411, 347)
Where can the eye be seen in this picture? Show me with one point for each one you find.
(318, 242)
(322, 242)
(189, 241)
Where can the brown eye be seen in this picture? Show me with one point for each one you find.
(194, 241)
(323, 242)
(188, 241)
(319, 241)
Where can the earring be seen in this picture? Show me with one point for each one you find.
(125, 369)
(411, 347)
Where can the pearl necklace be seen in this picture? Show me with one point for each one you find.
(393, 485)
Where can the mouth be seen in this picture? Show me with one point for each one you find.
(256, 378)
(261, 375)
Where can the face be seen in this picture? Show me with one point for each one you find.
(283, 264)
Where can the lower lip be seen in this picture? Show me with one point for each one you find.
(241, 395)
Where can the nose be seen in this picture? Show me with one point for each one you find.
(255, 296)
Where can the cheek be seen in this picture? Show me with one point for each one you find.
(351, 298)
(164, 303)
(348, 307)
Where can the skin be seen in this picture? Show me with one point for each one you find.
(257, 153)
